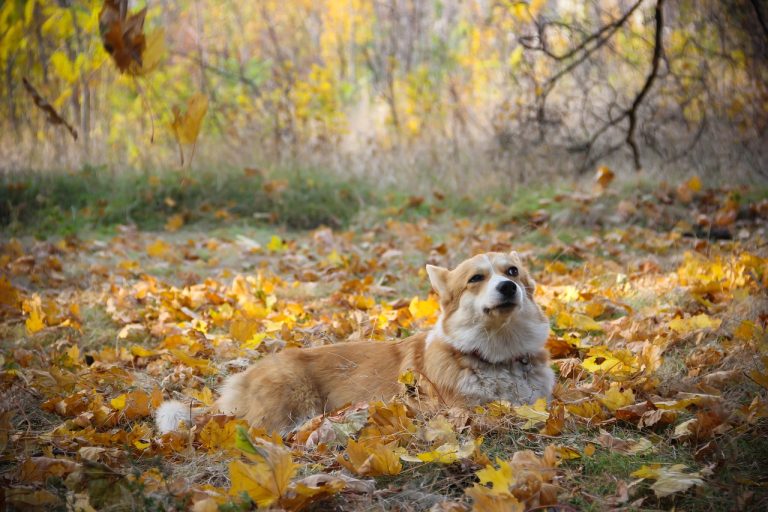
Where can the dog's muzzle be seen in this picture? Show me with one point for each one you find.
(509, 297)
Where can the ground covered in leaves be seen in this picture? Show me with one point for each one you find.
(658, 305)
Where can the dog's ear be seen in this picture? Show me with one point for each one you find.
(438, 277)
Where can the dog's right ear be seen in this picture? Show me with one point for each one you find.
(438, 276)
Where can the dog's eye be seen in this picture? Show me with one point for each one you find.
(512, 271)
(476, 278)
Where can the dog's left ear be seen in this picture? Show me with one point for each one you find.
(438, 277)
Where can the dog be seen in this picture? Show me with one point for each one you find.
(488, 344)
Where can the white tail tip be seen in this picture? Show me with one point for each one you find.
(170, 414)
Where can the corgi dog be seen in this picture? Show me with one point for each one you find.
(488, 344)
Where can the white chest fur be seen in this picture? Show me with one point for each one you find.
(512, 381)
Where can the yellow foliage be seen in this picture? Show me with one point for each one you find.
(620, 363)
(186, 126)
(370, 458)
(694, 323)
(428, 308)
(35, 315)
(615, 398)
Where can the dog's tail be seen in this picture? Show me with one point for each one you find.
(171, 413)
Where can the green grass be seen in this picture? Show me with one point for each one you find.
(94, 198)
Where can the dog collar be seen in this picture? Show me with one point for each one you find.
(524, 360)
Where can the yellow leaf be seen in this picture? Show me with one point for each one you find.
(589, 450)
(276, 244)
(746, 331)
(203, 365)
(174, 222)
(604, 176)
(694, 323)
(445, 454)
(153, 54)
(158, 249)
(486, 501)
(34, 309)
(216, 437)
(516, 57)
(589, 410)
(407, 378)
(362, 301)
(647, 471)
(204, 396)
(694, 184)
(535, 414)
(118, 403)
(577, 321)
(141, 445)
(568, 453)
(370, 458)
(186, 127)
(140, 351)
(621, 362)
(424, 308)
(254, 481)
(669, 480)
(64, 67)
(334, 259)
(615, 398)
(268, 479)
(255, 340)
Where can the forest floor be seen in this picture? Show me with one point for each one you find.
(658, 306)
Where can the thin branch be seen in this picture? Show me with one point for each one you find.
(632, 112)
(760, 17)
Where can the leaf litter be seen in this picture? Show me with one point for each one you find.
(99, 332)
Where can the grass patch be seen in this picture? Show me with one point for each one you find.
(94, 198)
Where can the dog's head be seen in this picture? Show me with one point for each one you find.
(488, 308)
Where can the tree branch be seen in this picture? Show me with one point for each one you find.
(632, 111)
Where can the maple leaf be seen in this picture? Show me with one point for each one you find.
(526, 477)
(123, 38)
(186, 126)
(35, 319)
(616, 398)
(424, 308)
(370, 458)
(621, 363)
(268, 479)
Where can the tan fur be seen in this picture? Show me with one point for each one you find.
(507, 361)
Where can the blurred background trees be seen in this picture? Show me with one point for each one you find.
(371, 86)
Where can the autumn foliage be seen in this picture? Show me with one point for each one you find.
(508, 86)
(658, 339)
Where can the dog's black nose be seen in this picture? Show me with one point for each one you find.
(507, 288)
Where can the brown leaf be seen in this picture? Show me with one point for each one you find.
(53, 117)
(39, 469)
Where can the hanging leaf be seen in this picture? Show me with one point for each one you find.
(186, 126)
(123, 36)
(53, 117)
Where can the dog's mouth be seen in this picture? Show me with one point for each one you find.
(501, 307)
